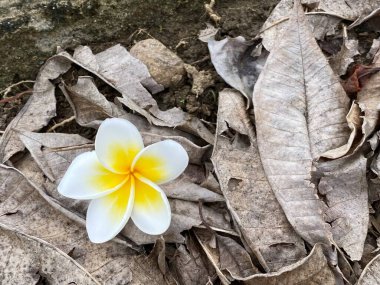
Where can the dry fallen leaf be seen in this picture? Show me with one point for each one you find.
(37, 112)
(237, 61)
(340, 61)
(371, 273)
(344, 189)
(30, 260)
(249, 196)
(54, 153)
(300, 110)
(23, 208)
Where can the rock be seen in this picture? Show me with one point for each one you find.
(163, 64)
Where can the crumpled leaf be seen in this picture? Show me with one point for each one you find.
(37, 112)
(371, 273)
(340, 61)
(312, 269)
(237, 61)
(234, 258)
(26, 259)
(54, 152)
(130, 76)
(237, 163)
(23, 208)
(364, 17)
(189, 265)
(345, 191)
(348, 9)
(300, 110)
(274, 26)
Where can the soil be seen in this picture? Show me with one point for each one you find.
(178, 30)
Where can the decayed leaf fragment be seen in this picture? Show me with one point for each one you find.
(25, 259)
(300, 110)
(38, 111)
(249, 196)
(24, 209)
(371, 273)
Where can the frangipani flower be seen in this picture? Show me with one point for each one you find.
(122, 177)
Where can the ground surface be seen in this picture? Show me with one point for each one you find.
(27, 42)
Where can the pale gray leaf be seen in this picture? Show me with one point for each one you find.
(340, 61)
(371, 273)
(300, 110)
(234, 61)
(37, 112)
(25, 259)
(345, 191)
(23, 208)
(243, 182)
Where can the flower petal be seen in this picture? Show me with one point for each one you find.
(151, 210)
(86, 178)
(161, 162)
(108, 215)
(117, 143)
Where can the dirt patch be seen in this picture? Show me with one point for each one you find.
(176, 26)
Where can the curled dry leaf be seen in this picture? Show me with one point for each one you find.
(189, 264)
(26, 259)
(249, 196)
(38, 111)
(130, 77)
(300, 110)
(237, 61)
(23, 208)
(371, 273)
(340, 61)
(54, 153)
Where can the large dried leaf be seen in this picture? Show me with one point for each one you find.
(37, 112)
(300, 110)
(128, 75)
(249, 196)
(23, 208)
(274, 26)
(312, 269)
(26, 260)
(371, 273)
(345, 191)
(54, 153)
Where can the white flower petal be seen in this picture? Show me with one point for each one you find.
(151, 209)
(161, 162)
(117, 143)
(86, 178)
(108, 215)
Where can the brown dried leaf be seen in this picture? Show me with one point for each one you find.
(54, 153)
(345, 191)
(26, 259)
(340, 61)
(130, 76)
(300, 110)
(234, 258)
(24, 209)
(371, 273)
(38, 111)
(237, 163)
(276, 23)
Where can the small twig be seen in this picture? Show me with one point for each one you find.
(9, 88)
(74, 147)
(2, 132)
(61, 124)
(211, 13)
(207, 57)
(17, 96)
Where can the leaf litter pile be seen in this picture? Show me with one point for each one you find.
(283, 189)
